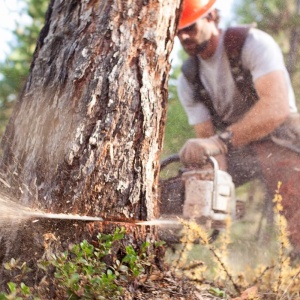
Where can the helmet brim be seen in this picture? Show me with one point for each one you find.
(190, 14)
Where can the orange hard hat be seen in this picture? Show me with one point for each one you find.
(192, 10)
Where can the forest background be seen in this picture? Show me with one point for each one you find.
(22, 20)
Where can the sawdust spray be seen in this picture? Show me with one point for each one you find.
(10, 211)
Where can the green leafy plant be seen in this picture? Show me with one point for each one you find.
(17, 292)
(82, 273)
(17, 289)
(136, 261)
(21, 270)
(87, 271)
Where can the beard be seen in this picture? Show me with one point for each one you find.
(194, 49)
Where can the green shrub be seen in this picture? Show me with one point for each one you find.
(83, 272)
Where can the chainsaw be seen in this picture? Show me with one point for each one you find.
(205, 195)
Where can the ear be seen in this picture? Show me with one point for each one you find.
(213, 16)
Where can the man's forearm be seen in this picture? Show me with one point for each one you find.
(260, 121)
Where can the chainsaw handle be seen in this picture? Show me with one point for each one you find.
(176, 158)
(170, 159)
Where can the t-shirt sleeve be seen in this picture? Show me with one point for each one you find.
(261, 54)
(196, 112)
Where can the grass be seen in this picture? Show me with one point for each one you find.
(177, 129)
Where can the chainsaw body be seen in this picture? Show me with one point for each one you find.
(206, 196)
(209, 196)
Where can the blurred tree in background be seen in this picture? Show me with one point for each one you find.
(15, 68)
(281, 19)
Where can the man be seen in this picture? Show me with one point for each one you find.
(253, 136)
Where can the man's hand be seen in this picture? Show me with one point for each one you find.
(196, 151)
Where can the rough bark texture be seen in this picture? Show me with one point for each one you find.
(86, 133)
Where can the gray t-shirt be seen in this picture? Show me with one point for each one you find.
(260, 54)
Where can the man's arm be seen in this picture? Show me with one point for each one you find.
(206, 130)
(264, 117)
(194, 154)
(267, 114)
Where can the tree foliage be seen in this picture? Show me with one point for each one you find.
(281, 20)
(273, 16)
(15, 68)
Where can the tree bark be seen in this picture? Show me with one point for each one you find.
(87, 130)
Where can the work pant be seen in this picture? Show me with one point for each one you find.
(271, 163)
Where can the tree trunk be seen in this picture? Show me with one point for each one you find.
(87, 130)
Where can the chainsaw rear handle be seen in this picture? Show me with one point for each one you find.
(176, 158)
(170, 159)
